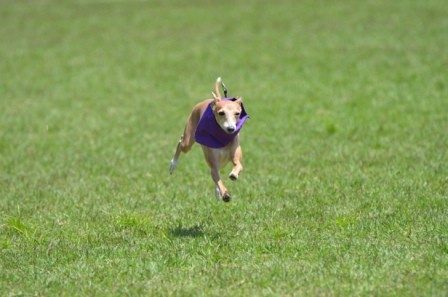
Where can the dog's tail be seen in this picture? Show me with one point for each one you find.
(216, 93)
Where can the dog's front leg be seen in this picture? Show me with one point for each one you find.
(213, 158)
(236, 161)
(221, 190)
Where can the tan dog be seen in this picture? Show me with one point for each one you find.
(220, 144)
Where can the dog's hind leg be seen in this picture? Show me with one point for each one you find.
(175, 158)
(186, 141)
(218, 193)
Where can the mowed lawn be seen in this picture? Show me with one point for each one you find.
(344, 191)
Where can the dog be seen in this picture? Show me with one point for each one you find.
(215, 125)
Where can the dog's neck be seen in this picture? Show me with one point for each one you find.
(210, 134)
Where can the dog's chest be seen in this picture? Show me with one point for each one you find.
(221, 156)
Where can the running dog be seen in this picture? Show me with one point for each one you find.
(215, 125)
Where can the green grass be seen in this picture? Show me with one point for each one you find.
(345, 184)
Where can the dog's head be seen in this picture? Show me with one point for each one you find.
(227, 113)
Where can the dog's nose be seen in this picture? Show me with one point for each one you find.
(230, 129)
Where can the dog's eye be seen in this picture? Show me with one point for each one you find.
(221, 113)
(237, 114)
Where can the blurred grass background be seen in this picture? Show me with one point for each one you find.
(344, 189)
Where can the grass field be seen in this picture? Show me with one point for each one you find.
(344, 191)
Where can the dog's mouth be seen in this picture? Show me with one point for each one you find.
(229, 127)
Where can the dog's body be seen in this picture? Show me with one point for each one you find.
(227, 115)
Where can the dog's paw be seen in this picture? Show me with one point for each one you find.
(173, 166)
(226, 197)
(233, 176)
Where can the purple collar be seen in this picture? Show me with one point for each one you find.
(210, 134)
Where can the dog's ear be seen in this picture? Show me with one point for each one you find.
(239, 100)
(216, 97)
(213, 104)
(215, 93)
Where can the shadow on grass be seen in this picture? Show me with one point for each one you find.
(194, 232)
